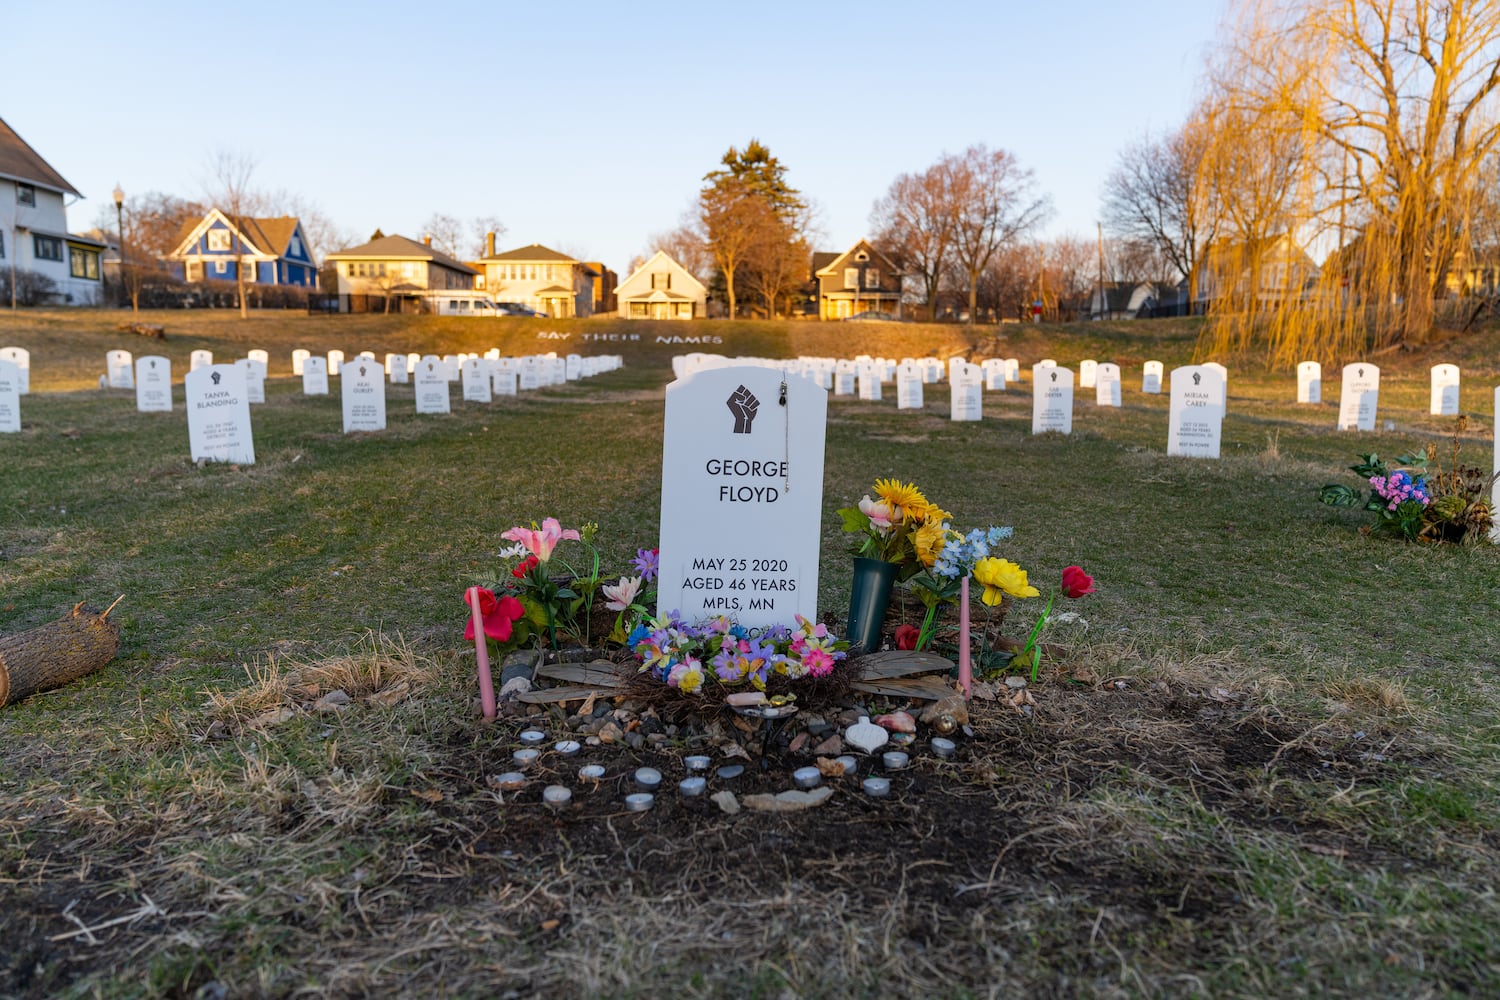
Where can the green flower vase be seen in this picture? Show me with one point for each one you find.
(868, 600)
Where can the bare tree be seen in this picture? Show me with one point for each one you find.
(479, 229)
(914, 224)
(447, 234)
(993, 207)
(231, 174)
(687, 245)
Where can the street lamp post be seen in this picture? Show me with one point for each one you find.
(119, 194)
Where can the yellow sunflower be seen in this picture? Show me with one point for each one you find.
(906, 496)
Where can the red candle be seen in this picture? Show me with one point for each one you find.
(965, 666)
(482, 651)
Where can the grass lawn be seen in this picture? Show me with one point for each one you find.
(1267, 767)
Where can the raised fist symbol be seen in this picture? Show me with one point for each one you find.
(743, 404)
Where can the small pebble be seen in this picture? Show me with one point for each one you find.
(696, 762)
(639, 801)
(525, 756)
(731, 771)
(894, 760)
(877, 788)
(1015, 683)
(556, 796)
(647, 777)
(807, 777)
(943, 747)
(692, 787)
(567, 747)
(591, 772)
(533, 738)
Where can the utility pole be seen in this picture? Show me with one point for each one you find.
(1103, 296)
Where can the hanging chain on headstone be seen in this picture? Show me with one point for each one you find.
(786, 441)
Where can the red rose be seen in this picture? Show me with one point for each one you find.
(523, 567)
(1076, 583)
(499, 615)
(907, 636)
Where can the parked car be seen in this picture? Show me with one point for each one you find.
(871, 315)
(517, 309)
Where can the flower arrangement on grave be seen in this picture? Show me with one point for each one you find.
(1419, 498)
(898, 525)
(719, 653)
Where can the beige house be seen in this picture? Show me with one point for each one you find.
(535, 276)
(392, 273)
(661, 288)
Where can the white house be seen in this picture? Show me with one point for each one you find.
(661, 288)
(39, 261)
(538, 277)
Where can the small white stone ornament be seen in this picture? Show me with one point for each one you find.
(865, 736)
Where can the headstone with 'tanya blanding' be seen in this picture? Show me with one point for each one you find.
(218, 415)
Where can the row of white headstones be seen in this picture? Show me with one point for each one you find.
(218, 397)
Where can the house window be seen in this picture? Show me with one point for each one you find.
(47, 247)
(661, 280)
(220, 267)
(218, 240)
(872, 278)
(851, 277)
(247, 268)
(25, 195)
(2, 246)
(83, 263)
(194, 271)
(294, 246)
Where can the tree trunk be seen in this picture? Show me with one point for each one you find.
(56, 653)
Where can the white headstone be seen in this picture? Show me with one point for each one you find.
(264, 357)
(1309, 382)
(476, 381)
(869, 381)
(573, 367)
(21, 358)
(1195, 416)
(396, 367)
(335, 363)
(218, 415)
(530, 373)
(299, 356)
(1051, 399)
(1087, 373)
(153, 384)
(742, 497)
(363, 385)
(1012, 369)
(1045, 363)
(10, 397)
(1360, 397)
(432, 385)
(365, 356)
(932, 370)
(411, 362)
(200, 359)
(1445, 390)
(994, 374)
(966, 394)
(314, 376)
(119, 368)
(451, 366)
(1151, 377)
(503, 380)
(1223, 382)
(908, 386)
(1107, 384)
(255, 380)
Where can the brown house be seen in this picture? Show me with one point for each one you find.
(859, 280)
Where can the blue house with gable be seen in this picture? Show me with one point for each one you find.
(272, 251)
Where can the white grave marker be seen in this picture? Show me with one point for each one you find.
(994, 374)
(1360, 397)
(432, 385)
(908, 386)
(1309, 382)
(869, 381)
(1087, 373)
(200, 359)
(742, 496)
(1223, 382)
(335, 363)
(10, 397)
(119, 370)
(1051, 399)
(218, 415)
(314, 376)
(299, 357)
(1151, 378)
(264, 357)
(153, 384)
(1107, 384)
(966, 393)
(1012, 369)
(1444, 390)
(255, 382)
(503, 378)
(363, 385)
(1195, 415)
(396, 368)
(21, 358)
(476, 381)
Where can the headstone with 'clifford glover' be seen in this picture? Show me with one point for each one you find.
(1360, 397)
(742, 496)
(1309, 382)
(1195, 415)
(10, 397)
(362, 383)
(1051, 399)
(432, 385)
(153, 384)
(218, 415)
(315, 376)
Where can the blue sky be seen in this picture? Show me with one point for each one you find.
(587, 126)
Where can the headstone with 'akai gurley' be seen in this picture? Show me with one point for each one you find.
(1051, 399)
(431, 383)
(10, 397)
(362, 382)
(742, 496)
(1360, 397)
(218, 415)
(1195, 414)
(153, 384)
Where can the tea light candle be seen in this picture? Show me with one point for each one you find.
(525, 757)
(894, 760)
(850, 764)
(533, 738)
(697, 762)
(877, 788)
(692, 787)
(556, 796)
(566, 747)
(943, 747)
(807, 777)
(511, 781)
(591, 772)
(639, 801)
(647, 777)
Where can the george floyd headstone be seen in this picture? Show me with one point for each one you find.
(476, 381)
(255, 380)
(1223, 382)
(21, 358)
(994, 374)
(1151, 378)
(362, 383)
(966, 393)
(335, 363)
(10, 397)
(1195, 414)
(200, 359)
(1309, 382)
(120, 369)
(742, 496)
(395, 366)
(153, 384)
(1360, 397)
(218, 415)
(314, 376)
(908, 387)
(1107, 384)
(1444, 390)
(1051, 399)
(432, 385)
(299, 358)
(1087, 373)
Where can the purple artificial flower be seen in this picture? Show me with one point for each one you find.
(646, 563)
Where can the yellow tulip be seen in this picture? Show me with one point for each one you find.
(1000, 577)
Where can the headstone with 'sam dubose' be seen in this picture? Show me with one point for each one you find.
(476, 381)
(314, 376)
(742, 496)
(966, 393)
(255, 380)
(1309, 382)
(200, 359)
(21, 358)
(153, 384)
(10, 397)
(908, 386)
(1051, 399)
(1195, 413)
(1360, 397)
(119, 369)
(218, 415)
(1087, 373)
(299, 359)
(1107, 384)
(432, 385)
(1444, 391)
(1151, 378)
(362, 384)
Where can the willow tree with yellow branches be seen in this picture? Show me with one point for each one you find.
(1359, 131)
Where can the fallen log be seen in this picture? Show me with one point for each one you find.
(56, 653)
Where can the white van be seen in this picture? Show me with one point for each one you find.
(460, 303)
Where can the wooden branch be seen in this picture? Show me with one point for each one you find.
(56, 653)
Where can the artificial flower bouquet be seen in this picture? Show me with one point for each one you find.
(898, 525)
(1420, 499)
(720, 653)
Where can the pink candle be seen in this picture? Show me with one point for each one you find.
(482, 651)
(965, 666)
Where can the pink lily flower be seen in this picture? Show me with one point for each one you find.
(541, 542)
(622, 595)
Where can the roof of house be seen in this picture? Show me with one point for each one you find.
(823, 258)
(267, 235)
(388, 247)
(830, 267)
(19, 161)
(648, 266)
(534, 252)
